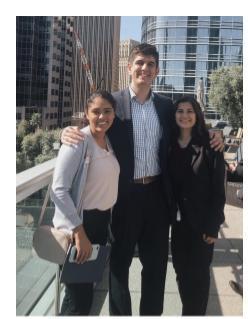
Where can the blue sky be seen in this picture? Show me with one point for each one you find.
(131, 28)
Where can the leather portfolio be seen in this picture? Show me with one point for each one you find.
(89, 271)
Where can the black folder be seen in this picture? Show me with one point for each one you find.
(89, 271)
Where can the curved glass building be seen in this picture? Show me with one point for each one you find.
(190, 48)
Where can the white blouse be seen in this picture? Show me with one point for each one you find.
(101, 186)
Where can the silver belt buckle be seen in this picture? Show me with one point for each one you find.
(144, 182)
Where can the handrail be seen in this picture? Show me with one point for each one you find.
(33, 179)
(27, 183)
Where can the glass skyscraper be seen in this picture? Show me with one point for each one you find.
(190, 47)
(43, 69)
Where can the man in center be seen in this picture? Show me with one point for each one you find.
(141, 215)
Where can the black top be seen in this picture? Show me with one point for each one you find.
(179, 167)
(197, 175)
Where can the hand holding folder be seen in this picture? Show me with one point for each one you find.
(89, 271)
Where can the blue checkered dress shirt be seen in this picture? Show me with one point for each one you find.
(147, 132)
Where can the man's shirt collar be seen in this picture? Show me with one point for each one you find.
(133, 94)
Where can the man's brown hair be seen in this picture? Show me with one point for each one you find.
(144, 49)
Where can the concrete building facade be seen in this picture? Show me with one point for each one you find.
(99, 37)
(124, 52)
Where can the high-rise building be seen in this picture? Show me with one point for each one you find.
(124, 52)
(190, 47)
(99, 37)
(43, 69)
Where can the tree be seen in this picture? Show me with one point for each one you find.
(47, 141)
(226, 93)
(48, 152)
(22, 163)
(36, 148)
(31, 145)
(25, 127)
(22, 129)
(35, 122)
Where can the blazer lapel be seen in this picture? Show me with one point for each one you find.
(127, 105)
(163, 119)
(196, 157)
(127, 116)
(123, 112)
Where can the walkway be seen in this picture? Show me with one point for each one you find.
(227, 266)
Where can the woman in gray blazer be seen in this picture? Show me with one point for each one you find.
(86, 174)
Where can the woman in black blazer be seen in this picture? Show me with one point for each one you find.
(197, 174)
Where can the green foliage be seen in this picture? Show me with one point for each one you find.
(34, 148)
(35, 122)
(226, 93)
(48, 139)
(22, 163)
(22, 129)
(31, 145)
(18, 143)
(41, 158)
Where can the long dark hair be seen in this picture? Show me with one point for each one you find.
(199, 130)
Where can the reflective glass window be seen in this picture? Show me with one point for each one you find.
(227, 19)
(171, 33)
(181, 33)
(202, 33)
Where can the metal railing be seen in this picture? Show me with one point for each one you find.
(33, 179)
(30, 293)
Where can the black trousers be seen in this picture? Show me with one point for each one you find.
(140, 217)
(78, 297)
(191, 258)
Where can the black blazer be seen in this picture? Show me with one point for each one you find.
(121, 134)
(202, 197)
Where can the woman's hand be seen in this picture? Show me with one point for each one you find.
(209, 240)
(83, 245)
(216, 140)
(71, 135)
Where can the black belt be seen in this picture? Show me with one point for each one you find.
(146, 180)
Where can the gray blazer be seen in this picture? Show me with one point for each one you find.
(68, 184)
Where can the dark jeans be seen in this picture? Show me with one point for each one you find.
(191, 260)
(78, 297)
(140, 217)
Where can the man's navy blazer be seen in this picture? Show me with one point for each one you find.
(121, 135)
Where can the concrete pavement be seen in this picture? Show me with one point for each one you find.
(227, 265)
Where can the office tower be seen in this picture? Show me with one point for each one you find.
(99, 37)
(43, 69)
(190, 47)
(124, 52)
